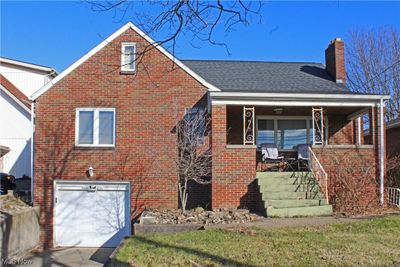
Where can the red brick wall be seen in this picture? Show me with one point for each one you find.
(393, 141)
(147, 106)
(340, 130)
(234, 169)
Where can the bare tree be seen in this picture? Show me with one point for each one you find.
(171, 19)
(373, 65)
(352, 190)
(193, 161)
(134, 168)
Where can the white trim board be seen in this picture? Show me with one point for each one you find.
(292, 103)
(96, 128)
(113, 36)
(28, 65)
(236, 95)
(15, 99)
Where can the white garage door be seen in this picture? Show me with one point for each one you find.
(91, 214)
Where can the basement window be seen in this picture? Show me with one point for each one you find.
(128, 57)
(95, 127)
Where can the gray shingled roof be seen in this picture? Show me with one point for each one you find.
(257, 76)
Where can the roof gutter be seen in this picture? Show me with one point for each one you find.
(297, 95)
(28, 65)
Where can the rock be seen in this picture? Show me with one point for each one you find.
(199, 210)
(147, 220)
(199, 216)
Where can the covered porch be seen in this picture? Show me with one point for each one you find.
(341, 162)
(288, 127)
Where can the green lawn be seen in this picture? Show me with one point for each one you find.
(368, 242)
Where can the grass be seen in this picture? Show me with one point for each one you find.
(372, 242)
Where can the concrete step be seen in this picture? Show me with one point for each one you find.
(288, 187)
(266, 175)
(283, 195)
(290, 203)
(286, 180)
(276, 175)
(300, 211)
(278, 187)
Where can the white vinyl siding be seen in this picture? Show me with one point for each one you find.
(128, 57)
(95, 127)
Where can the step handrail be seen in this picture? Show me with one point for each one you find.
(319, 173)
(394, 196)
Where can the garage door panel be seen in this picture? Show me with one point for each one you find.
(113, 207)
(70, 221)
(97, 217)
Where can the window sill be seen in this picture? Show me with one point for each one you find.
(77, 147)
(342, 146)
(241, 146)
(127, 72)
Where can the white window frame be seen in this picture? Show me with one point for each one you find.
(275, 120)
(124, 66)
(96, 121)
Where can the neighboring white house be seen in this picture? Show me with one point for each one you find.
(18, 81)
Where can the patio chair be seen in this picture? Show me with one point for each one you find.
(303, 156)
(270, 153)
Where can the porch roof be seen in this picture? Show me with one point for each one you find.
(296, 99)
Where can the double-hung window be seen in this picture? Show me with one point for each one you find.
(95, 127)
(128, 57)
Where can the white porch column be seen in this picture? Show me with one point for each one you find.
(248, 125)
(381, 150)
(318, 125)
(359, 130)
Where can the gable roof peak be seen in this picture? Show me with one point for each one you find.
(112, 37)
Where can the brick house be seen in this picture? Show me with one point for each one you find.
(105, 142)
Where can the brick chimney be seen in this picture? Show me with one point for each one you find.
(334, 61)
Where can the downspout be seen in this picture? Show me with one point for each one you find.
(359, 130)
(382, 152)
(32, 145)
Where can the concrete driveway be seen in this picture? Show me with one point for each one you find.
(71, 257)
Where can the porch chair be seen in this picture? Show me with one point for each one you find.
(270, 154)
(303, 156)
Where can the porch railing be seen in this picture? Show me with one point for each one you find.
(394, 196)
(319, 173)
